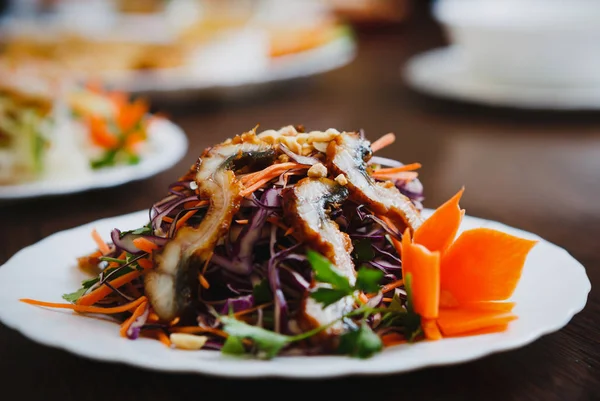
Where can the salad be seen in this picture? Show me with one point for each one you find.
(288, 242)
(48, 132)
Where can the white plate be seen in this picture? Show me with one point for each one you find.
(330, 56)
(443, 72)
(553, 287)
(167, 145)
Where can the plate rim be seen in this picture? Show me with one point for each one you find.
(151, 164)
(365, 369)
(441, 59)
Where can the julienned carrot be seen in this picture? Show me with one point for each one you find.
(251, 178)
(139, 311)
(430, 329)
(189, 214)
(145, 263)
(253, 309)
(401, 169)
(145, 245)
(87, 309)
(102, 246)
(163, 338)
(483, 265)
(382, 142)
(198, 329)
(402, 176)
(439, 230)
(391, 286)
(454, 322)
(102, 291)
(424, 267)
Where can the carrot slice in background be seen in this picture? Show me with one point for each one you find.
(439, 230)
(100, 134)
(454, 322)
(129, 114)
(424, 266)
(483, 265)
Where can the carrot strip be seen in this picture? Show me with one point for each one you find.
(391, 286)
(203, 282)
(145, 245)
(189, 214)
(439, 230)
(145, 264)
(102, 291)
(168, 219)
(424, 266)
(401, 169)
(288, 231)
(483, 265)
(402, 176)
(382, 142)
(276, 169)
(163, 338)
(198, 329)
(102, 246)
(363, 297)
(457, 321)
(242, 221)
(431, 330)
(253, 309)
(392, 339)
(87, 309)
(174, 321)
(139, 311)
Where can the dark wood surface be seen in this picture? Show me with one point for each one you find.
(538, 171)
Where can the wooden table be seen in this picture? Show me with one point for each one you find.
(537, 171)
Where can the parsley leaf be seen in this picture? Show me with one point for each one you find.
(361, 343)
(368, 279)
(328, 296)
(268, 343)
(326, 273)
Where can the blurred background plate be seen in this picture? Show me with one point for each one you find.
(167, 145)
(330, 56)
(444, 72)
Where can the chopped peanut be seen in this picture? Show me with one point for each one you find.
(317, 171)
(188, 341)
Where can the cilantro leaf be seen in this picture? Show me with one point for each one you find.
(325, 272)
(328, 296)
(108, 159)
(368, 279)
(139, 231)
(268, 343)
(85, 285)
(361, 343)
(233, 346)
(74, 296)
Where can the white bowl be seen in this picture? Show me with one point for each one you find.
(533, 42)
